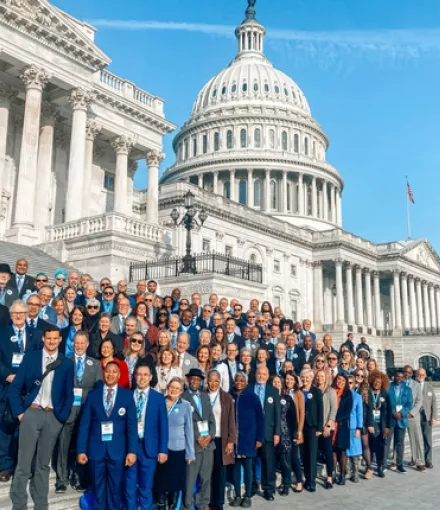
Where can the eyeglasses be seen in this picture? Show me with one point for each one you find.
(92, 307)
(360, 376)
(251, 316)
(135, 341)
(33, 304)
(41, 280)
(61, 279)
(332, 358)
(108, 293)
(103, 285)
(319, 361)
(18, 314)
(162, 314)
(237, 309)
(150, 300)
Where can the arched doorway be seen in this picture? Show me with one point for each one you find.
(429, 363)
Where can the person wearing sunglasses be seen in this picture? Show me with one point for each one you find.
(41, 280)
(363, 388)
(135, 356)
(266, 343)
(162, 319)
(108, 301)
(92, 308)
(332, 361)
(60, 279)
(318, 363)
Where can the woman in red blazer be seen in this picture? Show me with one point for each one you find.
(107, 353)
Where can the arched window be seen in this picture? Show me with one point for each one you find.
(214, 93)
(306, 146)
(243, 138)
(242, 192)
(257, 193)
(227, 189)
(284, 140)
(194, 147)
(277, 89)
(257, 137)
(273, 195)
(253, 259)
(234, 88)
(244, 87)
(314, 149)
(223, 90)
(296, 143)
(266, 87)
(271, 138)
(205, 144)
(216, 141)
(229, 141)
(255, 87)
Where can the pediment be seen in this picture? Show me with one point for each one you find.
(51, 26)
(424, 255)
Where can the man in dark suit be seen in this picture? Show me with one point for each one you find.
(20, 280)
(328, 342)
(15, 340)
(33, 320)
(152, 432)
(186, 326)
(103, 333)
(41, 412)
(205, 319)
(266, 343)
(7, 295)
(204, 435)
(4, 316)
(313, 427)
(275, 364)
(151, 310)
(107, 438)
(231, 333)
(309, 351)
(232, 363)
(270, 403)
(295, 353)
(247, 342)
(86, 376)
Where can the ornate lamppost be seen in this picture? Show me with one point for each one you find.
(190, 222)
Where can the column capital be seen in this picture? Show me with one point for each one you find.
(376, 274)
(122, 144)
(232, 172)
(34, 77)
(367, 270)
(417, 280)
(395, 272)
(436, 287)
(338, 262)
(300, 176)
(92, 129)
(430, 285)
(403, 275)
(81, 99)
(154, 157)
(317, 264)
(425, 283)
(358, 268)
(348, 265)
(7, 94)
(410, 277)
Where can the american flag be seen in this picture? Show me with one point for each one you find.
(409, 191)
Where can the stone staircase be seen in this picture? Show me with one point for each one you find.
(39, 261)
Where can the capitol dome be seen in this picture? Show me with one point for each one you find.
(252, 139)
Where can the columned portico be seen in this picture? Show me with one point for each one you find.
(349, 292)
(427, 314)
(405, 310)
(359, 299)
(92, 129)
(377, 304)
(434, 323)
(300, 195)
(7, 94)
(317, 294)
(397, 301)
(232, 185)
(368, 296)
(339, 293)
(250, 188)
(420, 318)
(413, 303)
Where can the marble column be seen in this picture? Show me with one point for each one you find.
(333, 202)
(368, 296)
(325, 200)
(434, 323)
(339, 292)
(267, 194)
(215, 182)
(338, 207)
(200, 181)
(232, 185)
(153, 162)
(80, 100)
(419, 304)
(92, 129)
(300, 195)
(397, 300)
(34, 80)
(7, 94)
(318, 295)
(405, 309)
(378, 322)
(284, 193)
(314, 198)
(321, 203)
(349, 293)
(122, 145)
(43, 202)
(359, 298)
(426, 306)
(412, 303)
(392, 305)
(437, 305)
(250, 188)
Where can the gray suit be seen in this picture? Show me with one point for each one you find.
(187, 363)
(92, 374)
(414, 429)
(202, 467)
(428, 412)
(115, 326)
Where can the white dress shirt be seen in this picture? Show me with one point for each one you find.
(49, 377)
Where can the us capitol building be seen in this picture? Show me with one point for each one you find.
(72, 134)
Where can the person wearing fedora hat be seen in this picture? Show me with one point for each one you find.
(204, 434)
(7, 295)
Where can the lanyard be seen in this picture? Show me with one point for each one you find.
(215, 400)
(376, 399)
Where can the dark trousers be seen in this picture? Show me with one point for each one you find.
(310, 459)
(246, 463)
(267, 454)
(378, 446)
(325, 445)
(289, 461)
(139, 481)
(8, 450)
(218, 479)
(65, 464)
(427, 436)
(107, 482)
(399, 441)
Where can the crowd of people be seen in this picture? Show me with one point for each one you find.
(142, 399)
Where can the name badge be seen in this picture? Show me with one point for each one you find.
(429, 393)
(376, 415)
(283, 402)
(77, 396)
(106, 431)
(203, 428)
(398, 408)
(17, 358)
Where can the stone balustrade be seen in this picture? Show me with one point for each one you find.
(106, 222)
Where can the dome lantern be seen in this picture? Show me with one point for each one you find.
(250, 34)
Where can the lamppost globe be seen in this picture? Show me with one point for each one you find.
(191, 212)
(189, 199)
(175, 215)
(203, 215)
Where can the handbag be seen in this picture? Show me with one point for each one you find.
(8, 421)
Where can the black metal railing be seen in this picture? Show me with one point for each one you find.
(202, 263)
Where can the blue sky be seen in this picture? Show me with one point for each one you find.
(370, 70)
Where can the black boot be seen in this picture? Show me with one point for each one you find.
(341, 479)
(380, 471)
(284, 490)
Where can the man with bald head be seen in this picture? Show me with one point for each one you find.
(270, 403)
(428, 415)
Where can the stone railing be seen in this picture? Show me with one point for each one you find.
(110, 222)
(129, 91)
(338, 235)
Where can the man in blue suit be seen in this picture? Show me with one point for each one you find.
(47, 313)
(108, 438)
(15, 340)
(401, 400)
(152, 432)
(186, 326)
(41, 412)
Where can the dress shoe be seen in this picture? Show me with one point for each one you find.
(393, 467)
(5, 476)
(284, 490)
(268, 496)
(295, 489)
(421, 469)
(312, 487)
(429, 465)
(380, 472)
(401, 470)
(328, 485)
(60, 489)
(246, 503)
(341, 480)
(236, 502)
(306, 485)
(79, 488)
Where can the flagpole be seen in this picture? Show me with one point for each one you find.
(408, 224)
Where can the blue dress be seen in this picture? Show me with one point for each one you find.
(356, 422)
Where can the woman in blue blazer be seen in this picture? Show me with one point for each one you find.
(354, 453)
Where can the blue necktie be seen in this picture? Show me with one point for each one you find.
(20, 284)
(198, 402)
(79, 369)
(109, 402)
(139, 409)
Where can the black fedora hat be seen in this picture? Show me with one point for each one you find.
(5, 268)
(195, 372)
